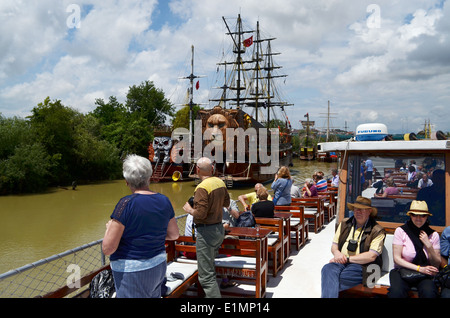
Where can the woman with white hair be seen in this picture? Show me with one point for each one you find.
(309, 189)
(136, 234)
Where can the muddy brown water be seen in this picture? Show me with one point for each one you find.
(37, 226)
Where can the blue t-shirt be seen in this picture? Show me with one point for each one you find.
(445, 242)
(369, 165)
(145, 218)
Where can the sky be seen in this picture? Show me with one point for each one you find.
(384, 61)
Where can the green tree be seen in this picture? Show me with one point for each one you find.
(128, 132)
(181, 117)
(110, 112)
(55, 124)
(13, 132)
(149, 102)
(97, 159)
(26, 170)
(24, 162)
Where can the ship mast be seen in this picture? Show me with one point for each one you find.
(191, 104)
(252, 77)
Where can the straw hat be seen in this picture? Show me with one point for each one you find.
(363, 203)
(418, 207)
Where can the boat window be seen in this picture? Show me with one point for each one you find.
(392, 182)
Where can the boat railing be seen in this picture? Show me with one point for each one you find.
(49, 274)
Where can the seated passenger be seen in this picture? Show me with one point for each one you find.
(415, 248)
(295, 192)
(335, 178)
(391, 189)
(309, 190)
(358, 242)
(445, 250)
(434, 196)
(424, 182)
(249, 198)
(321, 182)
(263, 208)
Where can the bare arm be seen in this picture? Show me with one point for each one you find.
(172, 230)
(363, 258)
(434, 255)
(242, 198)
(113, 234)
(397, 251)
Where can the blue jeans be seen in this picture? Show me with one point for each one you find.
(337, 277)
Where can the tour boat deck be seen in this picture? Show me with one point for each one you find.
(301, 274)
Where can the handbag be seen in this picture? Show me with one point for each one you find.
(442, 279)
(246, 219)
(412, 277)
(274, 200)
(102, 285)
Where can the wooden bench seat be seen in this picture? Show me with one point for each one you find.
(381, 287)
(178, 287)
(275, 242)
(314, 210)
(298, 225)
(330, 204)
(239, 259)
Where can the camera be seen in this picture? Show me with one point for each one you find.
(191, 202)
(352, 245)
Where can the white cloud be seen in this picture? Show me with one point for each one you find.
(397, 71)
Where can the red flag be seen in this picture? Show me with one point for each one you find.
(197, 86)
(248, 41)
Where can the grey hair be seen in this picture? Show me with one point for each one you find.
(137, 171)
(309, 181)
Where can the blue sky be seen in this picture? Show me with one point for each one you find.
(375, 61)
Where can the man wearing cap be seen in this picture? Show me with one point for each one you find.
(415, 248)
(358, 242)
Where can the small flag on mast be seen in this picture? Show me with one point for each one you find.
(248, 42)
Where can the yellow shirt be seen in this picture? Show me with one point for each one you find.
(376, 245)
(253, 198)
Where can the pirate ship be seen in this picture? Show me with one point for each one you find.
(248, 98)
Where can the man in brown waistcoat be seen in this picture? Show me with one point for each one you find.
(357, 243)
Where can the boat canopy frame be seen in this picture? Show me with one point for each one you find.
(352, 153)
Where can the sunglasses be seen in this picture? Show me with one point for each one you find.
(418, 215)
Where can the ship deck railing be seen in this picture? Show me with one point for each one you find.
(63, 271)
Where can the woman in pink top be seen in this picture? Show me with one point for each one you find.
(391, 189)
(416, 247)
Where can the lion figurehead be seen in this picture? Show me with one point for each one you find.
(217, 125)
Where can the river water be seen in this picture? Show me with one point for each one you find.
(40, 225)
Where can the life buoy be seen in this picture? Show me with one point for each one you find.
(176, 176)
